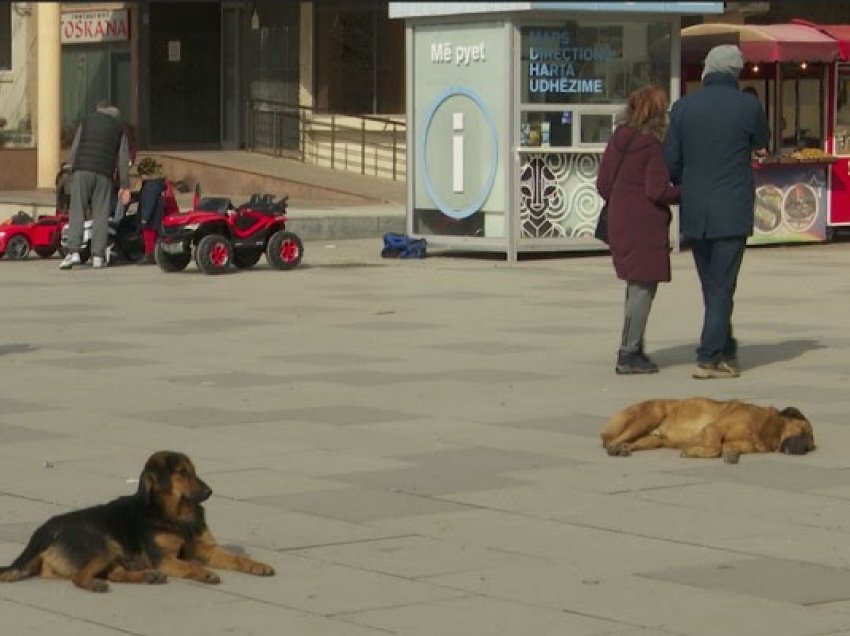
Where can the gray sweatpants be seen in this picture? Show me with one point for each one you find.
(95, 190)
(639, 297)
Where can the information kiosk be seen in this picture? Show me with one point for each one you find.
(509, 108)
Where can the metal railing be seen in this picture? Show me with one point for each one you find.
(370, 145)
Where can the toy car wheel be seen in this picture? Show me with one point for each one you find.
(171, 262)
(245, 258)
(18, 248)
(45, 252)
(284, 250)
(214, 254)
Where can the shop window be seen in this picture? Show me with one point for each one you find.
(85, 82)
(590, 67)
(269, 75)
(5, 36)
(359, 59)
(271, 52)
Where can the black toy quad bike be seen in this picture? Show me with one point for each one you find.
(223, 235)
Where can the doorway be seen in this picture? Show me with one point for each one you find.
(185, 99)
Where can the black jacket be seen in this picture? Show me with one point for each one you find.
(708, 150)
(100, 143)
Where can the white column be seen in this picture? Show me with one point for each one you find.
(49, 93)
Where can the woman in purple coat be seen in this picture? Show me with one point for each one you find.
(638, 197)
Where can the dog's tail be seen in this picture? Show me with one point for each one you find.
(28, 564)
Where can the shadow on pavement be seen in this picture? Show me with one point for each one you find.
(16, 348)
(751, 356)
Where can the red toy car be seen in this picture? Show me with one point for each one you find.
(222, 234)
(41, 236)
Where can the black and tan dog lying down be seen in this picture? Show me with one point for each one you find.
(158, 532)
(702, 427)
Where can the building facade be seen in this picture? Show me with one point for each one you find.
(17, 38)
(195, 74)
(208, 74)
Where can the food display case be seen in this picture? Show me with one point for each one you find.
(790, 69)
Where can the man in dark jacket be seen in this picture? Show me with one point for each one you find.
(712, 135)
(100, 142)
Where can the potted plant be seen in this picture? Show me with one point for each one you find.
(149, 168)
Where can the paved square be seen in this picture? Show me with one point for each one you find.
(414, 445)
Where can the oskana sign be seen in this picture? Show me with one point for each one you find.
(95, 26)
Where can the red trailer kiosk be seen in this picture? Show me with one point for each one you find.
(788, 69)
(838, 143)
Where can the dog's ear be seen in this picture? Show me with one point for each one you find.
(792, 413)
(797, 437)
(147, 486)
(154, 479)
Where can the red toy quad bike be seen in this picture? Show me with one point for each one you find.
(21, 235)
(223, 235)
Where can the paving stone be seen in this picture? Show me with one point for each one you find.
(781, 580)
(415, 445)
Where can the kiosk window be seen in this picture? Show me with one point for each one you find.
(842, 112)
(801, 109)
(592, 62)
(546, 129)
(756, 88)
(596, 129)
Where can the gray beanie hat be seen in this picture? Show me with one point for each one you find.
(725, 58)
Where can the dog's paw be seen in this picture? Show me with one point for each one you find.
(211, 577)
(732, 457)
(619, 450)
(155, 577)
(99, 585)
(261, 569)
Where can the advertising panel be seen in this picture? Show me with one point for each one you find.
(790, 204)
(108, 25)
(459, 123)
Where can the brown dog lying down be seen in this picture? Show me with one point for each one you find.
(702, 427)
(157, 532)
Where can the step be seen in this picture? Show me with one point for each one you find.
(329, 222)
